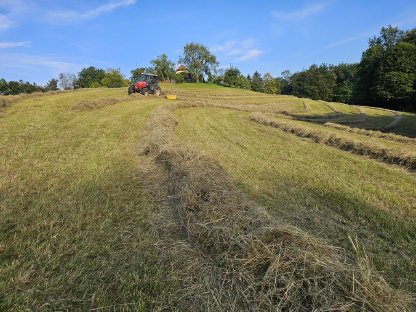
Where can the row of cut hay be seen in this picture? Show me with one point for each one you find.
(85, 105)
(8, 100)
(227, 254)
(242, 106)
(372, 150)
(372, 133)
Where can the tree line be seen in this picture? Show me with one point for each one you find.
(90, 77)
(385, 76)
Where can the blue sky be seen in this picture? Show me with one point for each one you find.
(39, 39)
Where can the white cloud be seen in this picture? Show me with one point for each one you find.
(5, 22)
(237, 51)
(347, 40)
(36, 68)
(14, 44)
(301, 13)
(69, 16)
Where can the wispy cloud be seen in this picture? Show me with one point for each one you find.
(301, 13)
(5, 22)
(14, 44)
(26, 65)
(69, 16)
(237, 51)
(348, 40)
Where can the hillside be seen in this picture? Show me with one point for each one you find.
(224, 199)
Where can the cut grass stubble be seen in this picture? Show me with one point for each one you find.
(228, 254)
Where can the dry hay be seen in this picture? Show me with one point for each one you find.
(225, 253)
(372, 150)
(9, 100)
(85, 105)
(373, 133)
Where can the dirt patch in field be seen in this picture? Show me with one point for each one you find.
(227, 254)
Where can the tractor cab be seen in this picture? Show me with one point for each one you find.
(146, 84)
(149, 78)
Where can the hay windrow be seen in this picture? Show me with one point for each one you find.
(372, 133)
(85, 105)
(93, 104)
(227, 254)
(373, 150)
(9, 100)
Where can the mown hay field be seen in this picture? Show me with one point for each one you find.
(117, 202)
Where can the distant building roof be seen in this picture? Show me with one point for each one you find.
(182, 69)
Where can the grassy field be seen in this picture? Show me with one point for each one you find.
(75, 221)
(85, 177)
(322, 190)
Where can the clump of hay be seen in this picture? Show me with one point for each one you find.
(372, 150)
(96, 104)
(372, 133)
(227, 254)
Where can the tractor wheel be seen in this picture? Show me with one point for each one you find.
(157, 91)
(130, 90)
(144, 92)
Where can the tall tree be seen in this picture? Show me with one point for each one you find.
(387, 71)
(52, 85)
(271, 84)
(317, 82)
(90, 76)
(67, 80)
(396, 83)
(257, 82)
(199, 60)
(285, 82)
(345, 81)
(163, 67)
(113, 78)
(231, 76)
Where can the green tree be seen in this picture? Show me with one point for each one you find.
(163, 67)
(317, 82)
(346, 75)
(3, 86)
(243, 83)
(113, 78)
(285, 82)
(52, 85)
(271, 84)
(257, 82)
(199, 60)
(89, 76)
(231, 76)
(387, 70)
(397, 76)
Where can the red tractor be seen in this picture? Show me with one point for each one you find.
(146, 84)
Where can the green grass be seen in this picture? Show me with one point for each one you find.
(407, 125)
(326, 192)
(74, 216)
